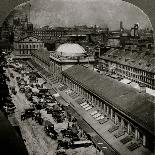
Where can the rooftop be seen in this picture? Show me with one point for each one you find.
(126, 99)
(135, 58)
(69, 49)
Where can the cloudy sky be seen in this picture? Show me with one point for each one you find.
(86, 12)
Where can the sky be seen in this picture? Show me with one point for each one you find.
(86, 12)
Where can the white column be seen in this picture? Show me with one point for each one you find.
(129, 128)
(111, 114)
(87, 95)
(136, 134)
(107, 110)
(104, 108)
(101, 153)
(122, 123)
(144, 140)
(115, 119)
(92, 99)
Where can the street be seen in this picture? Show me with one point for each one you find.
(35, 139)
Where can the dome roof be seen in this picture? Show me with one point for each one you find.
(71, 50)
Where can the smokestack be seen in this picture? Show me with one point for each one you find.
(121, 25)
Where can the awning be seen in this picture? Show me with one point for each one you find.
(51, 104)
(125, 81)
(56, 95)
(35, 90)
(135, 85)
(40, 81)
(150, 91)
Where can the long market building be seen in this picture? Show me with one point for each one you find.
(124, 105)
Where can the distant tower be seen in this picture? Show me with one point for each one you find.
(29, 8)
(136, 27)
(121, 25)
(29, 24)
(121, 28)
(95, 28)
(134, 30)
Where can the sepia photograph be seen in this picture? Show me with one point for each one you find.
(77, 77)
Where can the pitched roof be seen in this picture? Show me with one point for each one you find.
(126, 99)
(143, 60)
(28, 36)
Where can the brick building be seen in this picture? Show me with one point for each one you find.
(134, 64)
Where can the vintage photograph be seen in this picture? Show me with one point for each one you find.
(77, 77)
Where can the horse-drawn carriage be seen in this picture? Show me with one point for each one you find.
(49, 130)
(13, 90)
(28, 113)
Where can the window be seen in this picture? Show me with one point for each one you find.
(33, 46)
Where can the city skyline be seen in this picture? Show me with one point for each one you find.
(70, 13)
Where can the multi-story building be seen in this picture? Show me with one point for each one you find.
(124, 105)
(133, 64)
(49, 34)
(23, 47)
(65, 56)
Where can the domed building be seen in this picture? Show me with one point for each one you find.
(67, 55)
(71, 50)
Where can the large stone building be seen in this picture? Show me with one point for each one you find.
(123, 105)
(126, 107)
(67, 55)
(24, 46)
(48, 34)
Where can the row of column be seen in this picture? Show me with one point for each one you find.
(54, 67)
(106, 109)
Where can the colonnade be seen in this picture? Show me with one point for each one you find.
(106, 109)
